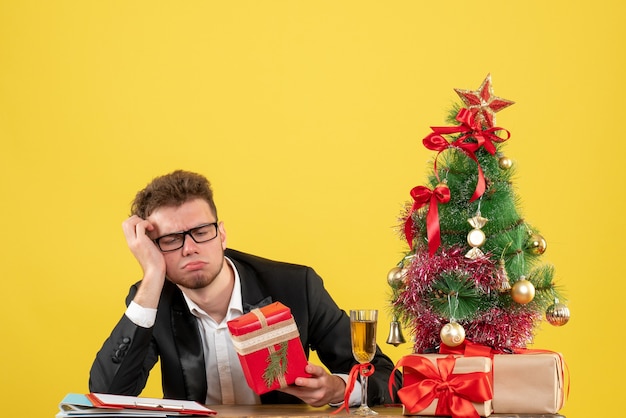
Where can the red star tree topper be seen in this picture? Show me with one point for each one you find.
(482, 103)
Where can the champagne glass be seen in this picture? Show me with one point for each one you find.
(363, 332)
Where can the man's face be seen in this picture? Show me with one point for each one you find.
(195, 265)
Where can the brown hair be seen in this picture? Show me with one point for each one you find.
(172, 189)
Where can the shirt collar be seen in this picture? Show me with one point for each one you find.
(235, 305)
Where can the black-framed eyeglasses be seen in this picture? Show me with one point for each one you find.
(175, 241)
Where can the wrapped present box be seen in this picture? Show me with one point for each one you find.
(528, 383)
(531, 381)
(446, 385)
(268, 344)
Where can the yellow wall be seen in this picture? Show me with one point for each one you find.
(308, 117)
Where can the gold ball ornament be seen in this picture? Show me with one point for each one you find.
(505, 163)
(523, 291)
(396, 275)
(536, 244)
(557, 314)
(452, 334)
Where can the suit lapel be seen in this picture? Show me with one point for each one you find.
(189, 346)
(252, 294)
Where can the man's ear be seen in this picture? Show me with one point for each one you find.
(222, 232)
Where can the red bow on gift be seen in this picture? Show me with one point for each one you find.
(423, 196)
(455, 392)
(469, 128)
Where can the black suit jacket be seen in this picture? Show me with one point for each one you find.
(123, 363)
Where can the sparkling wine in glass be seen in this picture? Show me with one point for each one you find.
(363, 332)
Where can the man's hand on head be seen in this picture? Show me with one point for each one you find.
(149, 257)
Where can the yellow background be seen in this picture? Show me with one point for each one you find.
(308, 118)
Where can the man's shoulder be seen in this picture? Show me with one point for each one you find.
(276, 273)
(256, 261)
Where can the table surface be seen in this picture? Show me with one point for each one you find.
(304, 411)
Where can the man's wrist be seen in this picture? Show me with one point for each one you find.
(140, 316)
(355, 395)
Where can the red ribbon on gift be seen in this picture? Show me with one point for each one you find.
(423, 196)
(455, 392)
(470, 129)
(469, 349)
(365, 369)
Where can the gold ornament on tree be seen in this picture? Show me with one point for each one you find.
(396, 276)
(452, 334)
(536, 244)
(557, 314)
(504, 162)
(476, 237)
(523, 291)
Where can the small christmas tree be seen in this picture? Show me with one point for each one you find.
(473, 268)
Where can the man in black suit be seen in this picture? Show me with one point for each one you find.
(192, 285)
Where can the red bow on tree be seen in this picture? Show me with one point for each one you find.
(469, 128)
(423, 196)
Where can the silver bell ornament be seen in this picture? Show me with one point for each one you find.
(395, 336)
